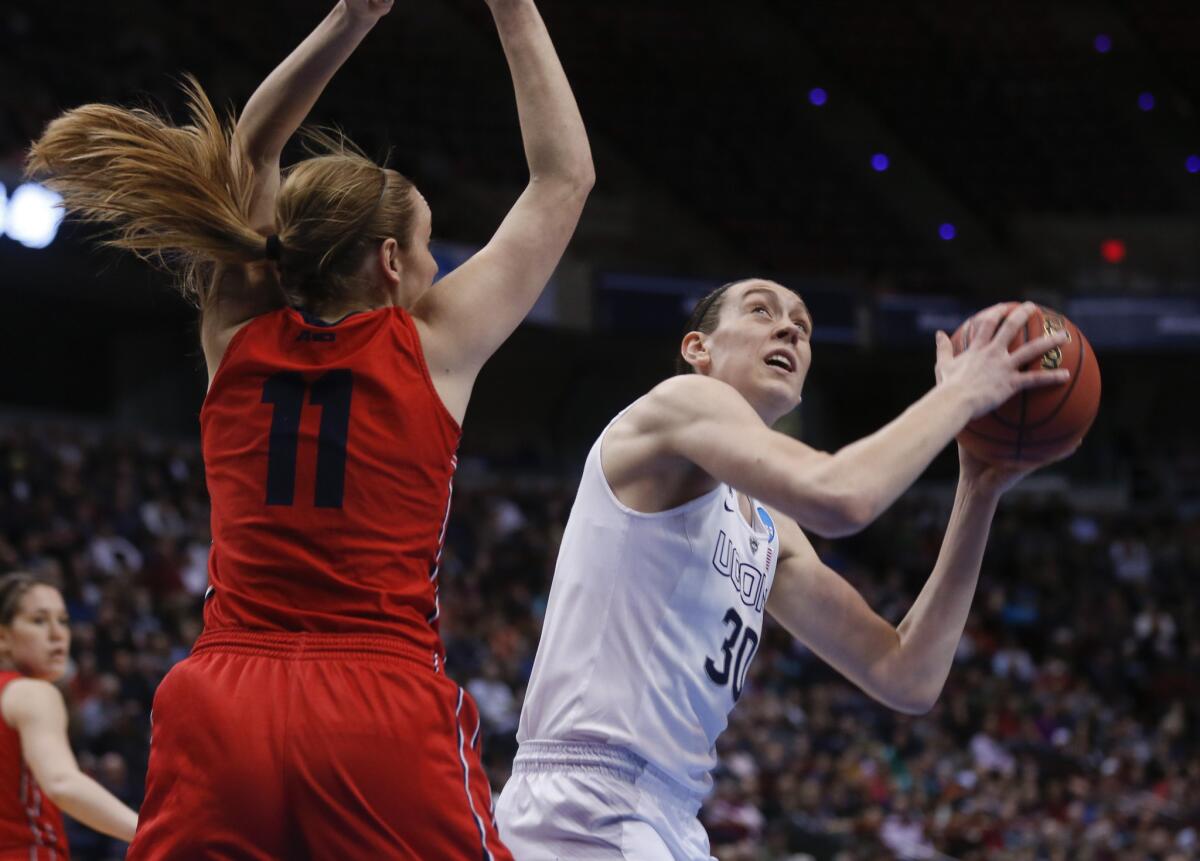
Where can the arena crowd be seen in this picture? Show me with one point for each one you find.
(1069, 728)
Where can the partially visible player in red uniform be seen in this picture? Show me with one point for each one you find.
(313, 719)
(38, 773)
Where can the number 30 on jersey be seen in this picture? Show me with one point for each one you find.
(736, 654)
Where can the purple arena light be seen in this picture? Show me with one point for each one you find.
(1146, 101)
(880, 162)
(947, 231)
(817, 96)
(1192, 164)
(1102, 43)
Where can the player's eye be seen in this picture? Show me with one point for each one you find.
(763, 308)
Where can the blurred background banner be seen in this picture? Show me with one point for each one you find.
(1151, 324)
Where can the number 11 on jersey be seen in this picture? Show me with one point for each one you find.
(331, 391)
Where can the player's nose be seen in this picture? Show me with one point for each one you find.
(789, 332)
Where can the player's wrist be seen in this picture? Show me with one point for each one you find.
(956, 400)
(346, 18)
(979, 488)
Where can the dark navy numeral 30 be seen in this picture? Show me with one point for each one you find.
(331, 392)
(740, 664)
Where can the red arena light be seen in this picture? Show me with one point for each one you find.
(1112, 250)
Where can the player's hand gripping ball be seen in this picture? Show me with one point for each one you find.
(1044, 423)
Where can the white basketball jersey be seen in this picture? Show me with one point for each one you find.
(651, 626)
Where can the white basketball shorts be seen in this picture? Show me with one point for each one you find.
(593, 802)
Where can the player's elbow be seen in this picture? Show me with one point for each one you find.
(569, 179)
(583, 177)
(899, 684)
(857, 510)
(59, 786)
(914, 707)
(835, 512)
(830, 500)
(914, 700)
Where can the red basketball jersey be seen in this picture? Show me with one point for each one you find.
(30, 824)
(329, 459)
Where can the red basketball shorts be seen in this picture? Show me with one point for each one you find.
(311, 746)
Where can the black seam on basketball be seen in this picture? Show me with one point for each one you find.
(1038, 443)
(1070, 386)
(1024, 403)
(1003, 422)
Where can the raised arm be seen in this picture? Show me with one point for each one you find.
(35, 710)
(706, 422)
(272, 115)
(904, 667)
(280, 104)
(470, 312)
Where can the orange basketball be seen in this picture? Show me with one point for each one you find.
(1041, 423)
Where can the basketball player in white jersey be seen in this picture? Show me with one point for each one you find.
(688, 526)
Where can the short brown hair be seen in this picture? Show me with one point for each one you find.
(704, 319)
(707, 314)
(14, 587)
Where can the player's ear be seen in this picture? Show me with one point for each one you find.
(695, 352)
(389, 259)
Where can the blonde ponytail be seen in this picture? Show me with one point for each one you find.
(179, 197)
(176, 196)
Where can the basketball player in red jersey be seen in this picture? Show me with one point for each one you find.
(313, 719)
(38, 773)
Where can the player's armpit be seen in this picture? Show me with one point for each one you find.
(237, 294)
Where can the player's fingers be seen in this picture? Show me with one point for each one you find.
(945, 353)
(1038, 347)
(1013, 323)
(1038, 379)
(983, 325)
(945, 349)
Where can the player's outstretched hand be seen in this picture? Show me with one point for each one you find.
(985, 372)
(367, 10)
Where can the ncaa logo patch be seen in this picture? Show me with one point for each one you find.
(767, 522)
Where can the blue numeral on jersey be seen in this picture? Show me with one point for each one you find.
(721, 676)
(286, 392)
(332, 393)
(739, 664)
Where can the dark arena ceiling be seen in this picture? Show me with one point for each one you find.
(924, 146)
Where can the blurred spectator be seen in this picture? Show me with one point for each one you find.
(1069, 727)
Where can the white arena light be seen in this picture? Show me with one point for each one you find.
(33, 215)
